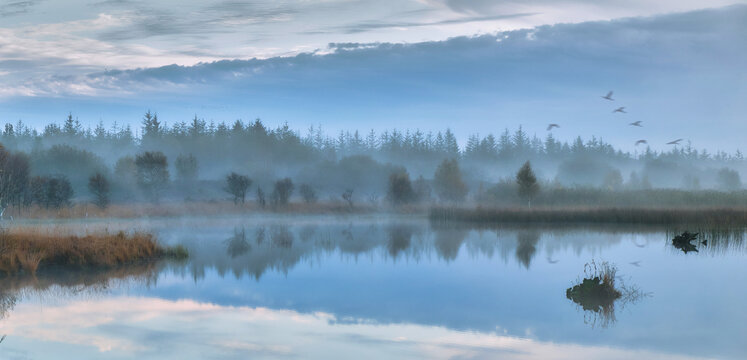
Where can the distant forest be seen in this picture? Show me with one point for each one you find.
(199, 155)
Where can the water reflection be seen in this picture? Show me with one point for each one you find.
(398, 239)
(64, 282)
(237, 245)
(151, 328)
(448, 241)
(712, 242)
(599, 292)
(398, 284)
(527, 247)
(280, 247)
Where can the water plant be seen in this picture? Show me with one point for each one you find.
(597, 293)
(684, 242)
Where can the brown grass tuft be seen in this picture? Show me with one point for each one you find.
(29, 249)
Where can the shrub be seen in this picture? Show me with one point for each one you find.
(307, 193)
(237, 186)
(282, 191)
(448, 181)
(400, 189)
(51, 191)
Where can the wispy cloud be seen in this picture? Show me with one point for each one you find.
(372, 25)
(13, 8)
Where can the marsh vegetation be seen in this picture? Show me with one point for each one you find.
(29, 250)
(598, 292)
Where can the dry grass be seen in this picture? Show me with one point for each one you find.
(27, 250)
(708, 217)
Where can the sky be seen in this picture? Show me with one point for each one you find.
(475, 66)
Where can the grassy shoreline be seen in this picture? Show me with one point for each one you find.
(31, 250)
(707, 217)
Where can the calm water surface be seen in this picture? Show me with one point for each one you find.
(372, 288)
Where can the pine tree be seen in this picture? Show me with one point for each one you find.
(527, 181)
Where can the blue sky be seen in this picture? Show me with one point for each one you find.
(476, 66)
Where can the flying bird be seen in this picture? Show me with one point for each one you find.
(639, 142)
(636, 263)
(637, 123)
(551, 261)
(608, 96)
(674, 142)
(620, 110)
(549, 127)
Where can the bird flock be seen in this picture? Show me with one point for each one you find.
(621, 110)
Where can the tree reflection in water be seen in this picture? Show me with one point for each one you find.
(399, 239)
(237, 244)
(526, 247)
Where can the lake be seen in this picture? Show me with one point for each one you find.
(323, 287)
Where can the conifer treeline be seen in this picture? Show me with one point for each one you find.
(208, 139)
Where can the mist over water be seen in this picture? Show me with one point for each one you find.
(343, 283)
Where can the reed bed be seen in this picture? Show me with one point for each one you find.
(712, 218)
(28, 250)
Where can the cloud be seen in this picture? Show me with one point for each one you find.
(157, 328)
(646, 43)
(369, 26)
(220, 18)
(14, 8)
